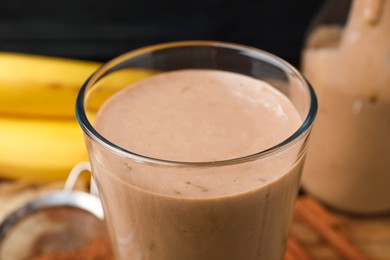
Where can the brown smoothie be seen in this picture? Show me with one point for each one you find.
(348, 163)
(237, 211)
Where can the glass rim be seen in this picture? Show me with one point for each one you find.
(92, 133)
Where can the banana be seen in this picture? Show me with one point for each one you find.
(40, 86)
(39, 149)
(39, 136)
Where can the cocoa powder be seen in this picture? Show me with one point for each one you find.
(96, 249)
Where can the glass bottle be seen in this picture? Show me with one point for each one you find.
(347, 60)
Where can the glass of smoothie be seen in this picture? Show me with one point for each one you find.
(196, 149)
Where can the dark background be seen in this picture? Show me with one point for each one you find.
(98, 30)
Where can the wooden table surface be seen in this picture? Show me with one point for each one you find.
(369, 235)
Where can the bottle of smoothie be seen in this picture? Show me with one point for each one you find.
(348, 163)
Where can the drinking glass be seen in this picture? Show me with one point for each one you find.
(243, 206)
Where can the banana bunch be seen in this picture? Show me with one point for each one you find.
(39, 136)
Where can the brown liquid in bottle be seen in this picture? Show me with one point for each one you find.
(348, 163)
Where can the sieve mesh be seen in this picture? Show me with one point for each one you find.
(60, 232)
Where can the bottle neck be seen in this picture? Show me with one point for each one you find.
(368, 22)
(372, 11)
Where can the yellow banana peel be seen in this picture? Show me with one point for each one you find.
(40, 86)
(39, 136)
(39, 149)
